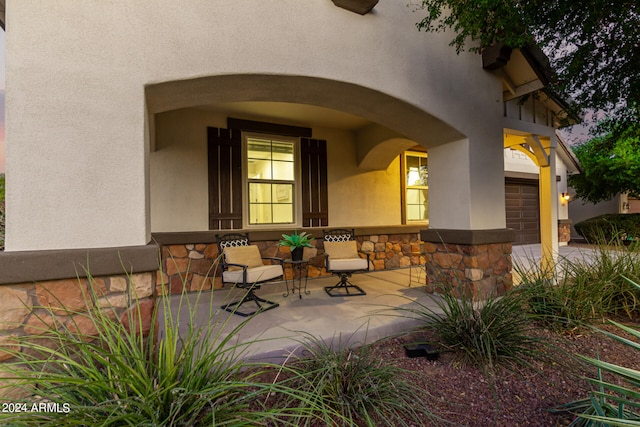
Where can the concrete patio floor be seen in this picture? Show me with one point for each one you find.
(276, 333)
(273, 335)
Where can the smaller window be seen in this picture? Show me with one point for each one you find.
(271, 180)
(416, 175)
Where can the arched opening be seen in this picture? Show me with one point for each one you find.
(365, 131)
(369, 104)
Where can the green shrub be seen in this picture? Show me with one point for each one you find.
(2, 188)
(611, 402)
(354, 386)
(610, 227)
(118, 376)
(484, 334)
(583, 290)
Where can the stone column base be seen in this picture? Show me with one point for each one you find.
(564, 232)
(469, 262)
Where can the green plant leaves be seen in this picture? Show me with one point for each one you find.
(296, 240)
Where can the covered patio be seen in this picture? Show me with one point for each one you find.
(275, 334)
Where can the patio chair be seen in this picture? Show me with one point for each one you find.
(342, 259)
(243, 266)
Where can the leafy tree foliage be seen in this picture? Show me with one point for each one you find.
(610, 163)
(593, 45)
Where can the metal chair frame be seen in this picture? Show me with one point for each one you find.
(235, 240)
(344, 288)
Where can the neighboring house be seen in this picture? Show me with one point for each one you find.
(139, 129)
(580, 210)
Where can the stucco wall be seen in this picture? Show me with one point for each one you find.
(179, 193)
(178, 170)
(77, 143)
(517, 161)
(358, 197)
(580, 210)
(563, 205)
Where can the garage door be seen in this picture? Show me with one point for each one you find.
(523, 210)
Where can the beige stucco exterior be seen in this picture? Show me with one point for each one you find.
(179, 177)
(86, 166)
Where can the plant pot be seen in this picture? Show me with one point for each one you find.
(296, 253)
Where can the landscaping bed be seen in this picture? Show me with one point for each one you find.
(465, 396)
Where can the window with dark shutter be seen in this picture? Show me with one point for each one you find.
(225, 160)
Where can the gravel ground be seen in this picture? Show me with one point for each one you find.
(464, 396)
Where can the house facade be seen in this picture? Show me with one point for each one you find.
(620, 204)
(137, 131)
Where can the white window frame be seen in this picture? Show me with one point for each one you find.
(297, 195)
(406, 187)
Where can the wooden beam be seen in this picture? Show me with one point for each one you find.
(522, 90)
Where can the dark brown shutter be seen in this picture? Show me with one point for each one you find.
(225, 178)
(315, 212)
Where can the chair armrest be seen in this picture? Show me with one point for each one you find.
(368, 255)
(226, 265)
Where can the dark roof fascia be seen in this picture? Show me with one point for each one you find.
(539, 62)
(541, 65)
(569, 153)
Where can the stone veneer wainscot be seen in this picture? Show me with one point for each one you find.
(194, 266)
(474, 262)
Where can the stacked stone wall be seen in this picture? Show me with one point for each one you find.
(564, 231)
(195, 267)
(475, 270)
(32, 308)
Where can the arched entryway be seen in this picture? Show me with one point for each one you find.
(541, 150)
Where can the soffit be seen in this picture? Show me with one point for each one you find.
(290, 113)
(527, 71)
(521, 75)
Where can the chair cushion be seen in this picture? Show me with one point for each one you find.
(246, 255)
(353, 264)
(341, 250)
(256, 274)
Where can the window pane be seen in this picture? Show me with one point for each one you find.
(282, 213)
(259, 193)
(283, 193)
(259, 149)
(416, 171)
(413, 212)
(413, 197)
(282, 151)
(283, 171)
(260, 213)
(259, 169)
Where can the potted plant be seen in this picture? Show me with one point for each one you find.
(296, 242)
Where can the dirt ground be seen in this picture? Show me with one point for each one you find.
(464, 396)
